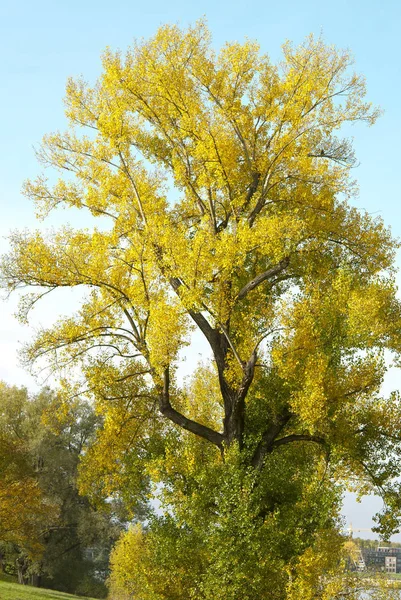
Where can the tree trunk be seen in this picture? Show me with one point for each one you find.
(22, 567)
(36, 579)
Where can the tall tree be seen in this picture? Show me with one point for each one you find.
(224, 192)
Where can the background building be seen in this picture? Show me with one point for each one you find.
(383, 558)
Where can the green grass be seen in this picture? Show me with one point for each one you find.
(14, 591)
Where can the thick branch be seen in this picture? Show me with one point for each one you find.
(268, 439)
(219, 343)
(297, 438)
(211, 334)
(179, 419)
(234, 421)
(283, 264)
(256, 210)
(268, 445)
(252, 189)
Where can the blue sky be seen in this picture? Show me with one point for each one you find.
(44, 42)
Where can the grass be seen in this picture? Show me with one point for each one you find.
(14, 591)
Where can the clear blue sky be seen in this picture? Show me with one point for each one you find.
(44, 42)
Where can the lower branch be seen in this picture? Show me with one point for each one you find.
(297, 438)
(268, 445)
(179, 419)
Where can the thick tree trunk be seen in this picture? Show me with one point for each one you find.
(234, 422)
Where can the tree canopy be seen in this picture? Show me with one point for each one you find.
(223, 184)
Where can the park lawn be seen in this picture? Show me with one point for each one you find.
(14, 591)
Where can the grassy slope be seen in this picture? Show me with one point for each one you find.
(14, 591)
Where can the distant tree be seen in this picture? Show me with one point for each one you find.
(223, 189)
(365, 544)
(373, 544)
(25, 511)
(57, 526)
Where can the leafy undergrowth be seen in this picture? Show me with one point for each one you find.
(14, 591)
